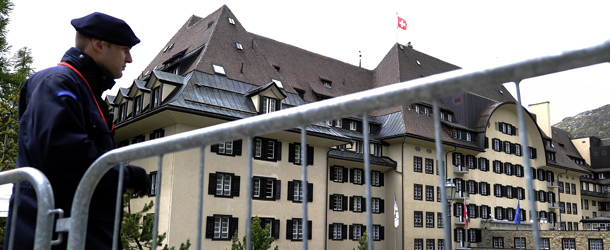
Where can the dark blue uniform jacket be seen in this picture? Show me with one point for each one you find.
(61, 132)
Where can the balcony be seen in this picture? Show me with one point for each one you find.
(460, 221)
(553, 206)
(460, 170)
(552, 184)
(595, 194)
(461, 195)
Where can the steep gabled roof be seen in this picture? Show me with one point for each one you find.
(563, 147)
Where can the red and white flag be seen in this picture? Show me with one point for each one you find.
(466, 214)
(402, 23)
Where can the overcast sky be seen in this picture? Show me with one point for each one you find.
(469, 34)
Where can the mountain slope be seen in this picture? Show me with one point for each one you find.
(589, 123)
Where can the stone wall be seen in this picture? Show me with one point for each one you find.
(581, 238)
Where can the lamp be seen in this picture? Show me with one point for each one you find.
(450, 195)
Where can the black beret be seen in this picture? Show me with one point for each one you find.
(107, 28)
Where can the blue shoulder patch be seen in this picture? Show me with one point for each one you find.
(66, 93)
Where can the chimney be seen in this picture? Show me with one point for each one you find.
(409, 45)
(543, 116)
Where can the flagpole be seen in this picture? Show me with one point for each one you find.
(397, 28)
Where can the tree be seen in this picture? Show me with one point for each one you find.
(137, 228)
(363, 242)
(260, 239)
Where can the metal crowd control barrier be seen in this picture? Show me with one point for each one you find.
(429, 88)
(46, 205)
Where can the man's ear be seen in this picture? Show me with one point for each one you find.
(97, 45)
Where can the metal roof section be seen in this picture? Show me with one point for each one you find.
(353, 156)
(256, 90)
(391, 125)
(141, 85)
(168, 77)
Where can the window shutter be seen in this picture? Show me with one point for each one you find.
(381, 205)
(261, 105)
(310, 192)
(310, 155)
(455, 235)
(363, 205)
(330, 231)
(351, 230)
(345, 175)
(344, 203)
(291, 152)
(345, 124)
(209, 227)
(381, 232)
(235, 186)
(278, 189)
(513, 130)
(233, 225)
(352, 177)
(486, 142)
(289, 229)
(454, 159)
(290, 190)
(351, 203)
(276, 229)
(237, 147)
(504, 191)
(476, 187)
(278, 150)
(381, 180)
(214, 148)
(309, 230)
(496, 125)
(343, 231)
(476, 211)
(495, 191)
(212, 184)
(455, 210)
(363, 230)
(331, 201)
(278, 105)
(477, 235)
(512, 148)
(488, 187)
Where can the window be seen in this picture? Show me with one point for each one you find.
(294, 229)
(497, 167)
(417, 219)
(498, 190)
(377, 149)
(441, 244)
(377, 232)
(533, 153)
(470, 162)
(430, 219)
(138, 139)
(357, 230)
(223, 185)
(496, 144)
(498, 242)
(519, 171)
(429, 244)
(376, 179)
(359, 147)
(295, 154)
(267, 149)
(221, 227)
(569, 208)
(507, 146)
(338, 123)
(472, 187)
(483, 164)
(586, 205)
(337, 231)
(269, 105)
(339, 174)
(567, 188)
(429, 166)
(417, 191)
(338, 202)
(596, 244)
(155, 97)
(560, 186)
(327, 83)
(509, 192)
(429, 193)
(568, 244)
(153, 184)
(457, 159)
(468, 136)
(356, 203)
(439, 220)
(485, 211)
(508, 168)
(573, 189)
(356, 176)
(576, 226)
(541, 196)
(295, 191)
(574, 208)
(449, 118)
(353, 125)
(517, 149)
(377, 205)
(562, 207)
(545, 243)
(159, 133)
(266, 188)
(459, 235)
(438, 194)
(230, 148)
(484, 187)
(417, 164)
(418, 244)
(472, 211)
(499, 213)
(519, 242)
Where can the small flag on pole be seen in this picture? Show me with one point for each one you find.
(466, 214)
(396, 216)
(518, 214)
(402, 23)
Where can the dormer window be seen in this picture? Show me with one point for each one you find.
(338, 123)
(417, 109)
(231, 21)
(327, 83)
(155, 97)
(442, 116)
(219, 69)
(427, 111)
(239, 47)
(277, 82)
(137, 105)
(449, 118)
(123, 111)
(353, 126)
(269, 105)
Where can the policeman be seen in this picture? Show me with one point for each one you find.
(64, 126)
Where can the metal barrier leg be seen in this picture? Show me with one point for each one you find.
(157, 202)
(11, 241)
(118, 208)
(441, 168)
(249, 196)
(304, 185)
(200, 205)
(367, 170)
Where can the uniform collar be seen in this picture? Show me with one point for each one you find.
(99, 79)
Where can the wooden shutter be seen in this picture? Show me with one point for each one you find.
(237, 147)
(331, 202)
(363, 204)
(381, 205)
(343, 231)
(351, 173)
(330, 231)
(289, 228)
(309, 230)
(278, 150)
(235, 185)
(381, 179)
(381, 232)
(344, 203)
(291, 154)
(214, 148)
(310, 192)
(309, 155)
(212, 184)
(276, 229)
(290, 190)
(345, 174)
(486, 142)
(278, 189)
(351, 230)
(209, 227)
(233, 225)
(351, 203)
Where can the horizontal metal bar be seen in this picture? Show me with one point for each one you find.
(427, 88)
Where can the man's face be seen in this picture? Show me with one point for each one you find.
(115, 58)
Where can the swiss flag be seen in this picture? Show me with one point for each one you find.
(402, 23)
(466, 214)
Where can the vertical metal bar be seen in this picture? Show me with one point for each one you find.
(157, 202)
(200, 201)
(304, 186)
(442, 178)
(249, 195)
(118, 208)
(367, 176)
(528, 171)
(11, 241)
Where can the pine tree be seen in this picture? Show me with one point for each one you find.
(363, 242)
(259, 239)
